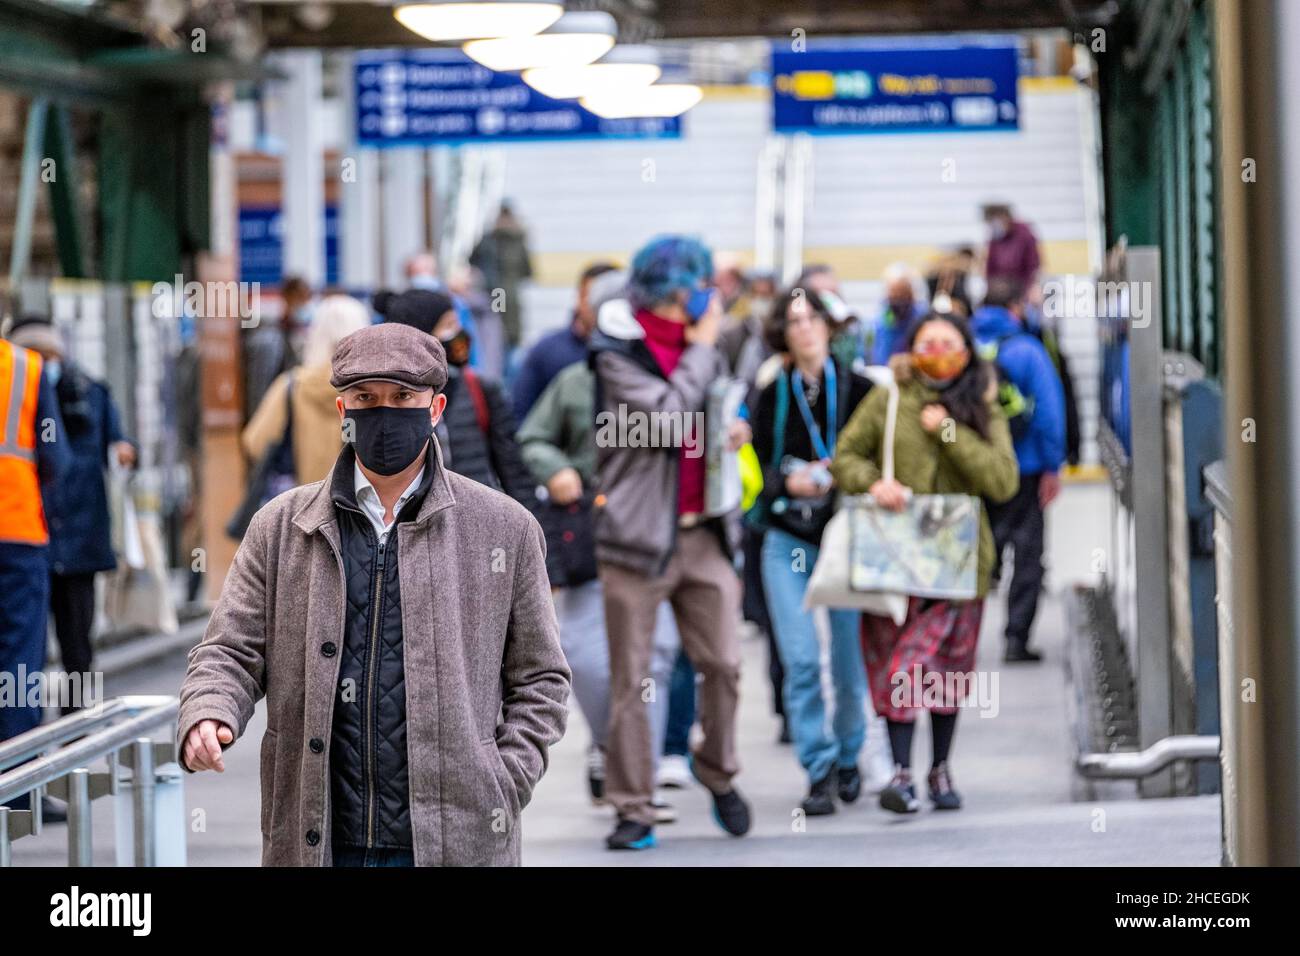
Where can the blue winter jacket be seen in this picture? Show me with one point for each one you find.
(891, 332)
(1025, 363)
(76, 506)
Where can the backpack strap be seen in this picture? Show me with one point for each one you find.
(476, 395)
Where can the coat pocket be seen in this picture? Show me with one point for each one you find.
(505, 784)
(268, 760)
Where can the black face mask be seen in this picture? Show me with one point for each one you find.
(386, 439)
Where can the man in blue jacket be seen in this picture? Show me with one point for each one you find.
(76, 507)
(901, 311)
(33, 457)
(1031, 394)
(559, 349)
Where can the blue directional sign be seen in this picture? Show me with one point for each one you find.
(888, 87)
(431, 97)
(261, 245)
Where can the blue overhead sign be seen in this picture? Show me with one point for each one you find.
(261, 245)
(431, 97)
(884, 87)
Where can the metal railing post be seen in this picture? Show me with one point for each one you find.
(57, 758)
(142, 799)
(79, 829)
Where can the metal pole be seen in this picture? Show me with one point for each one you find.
(6, 851)
(1259, 164)
(1153, 662)
(33, 152)
(303, 182)
(79, 818)
(142, 799)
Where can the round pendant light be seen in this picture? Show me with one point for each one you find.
(626, 66)
(666, 99)
(443, 20)
(576, 39)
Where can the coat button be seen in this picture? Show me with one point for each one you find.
(328, 649)
(312, 837)
(317, 745)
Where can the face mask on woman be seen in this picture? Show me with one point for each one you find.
(940, 369)
(457, 348)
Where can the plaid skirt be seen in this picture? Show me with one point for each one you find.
(924, 664)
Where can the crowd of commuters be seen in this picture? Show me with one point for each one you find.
(649, 576)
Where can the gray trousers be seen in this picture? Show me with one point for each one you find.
(581, 611)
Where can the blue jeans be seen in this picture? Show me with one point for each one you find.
(681, 708)
(787, 565)
(375, 856)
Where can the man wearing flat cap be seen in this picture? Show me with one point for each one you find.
(398, 619)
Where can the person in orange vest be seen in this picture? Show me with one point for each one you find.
(32, 454)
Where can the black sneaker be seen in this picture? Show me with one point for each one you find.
(732, 812)
(818, 803)
(942, 795)
(630, 835)
(850, 781)
(1017, 653)
(900, 795)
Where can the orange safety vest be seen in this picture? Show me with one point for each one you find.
(22, 516)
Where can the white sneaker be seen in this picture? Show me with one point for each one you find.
(674, 772)
(877, 760)
(664, 811)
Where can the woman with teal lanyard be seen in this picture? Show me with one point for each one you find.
(796, 420)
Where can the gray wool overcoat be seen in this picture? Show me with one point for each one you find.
(486, 681)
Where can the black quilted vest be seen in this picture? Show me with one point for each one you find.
(368, 773)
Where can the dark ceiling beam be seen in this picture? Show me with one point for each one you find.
(363, 25)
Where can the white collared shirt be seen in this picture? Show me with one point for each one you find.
(372, 507)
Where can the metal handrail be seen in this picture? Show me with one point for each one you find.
(43, 770)
(57, 755)
(71, 727)
(1129, 765)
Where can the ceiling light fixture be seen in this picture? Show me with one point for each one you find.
(444, 20)
(624, 67)
(666, 99)
(576, 39)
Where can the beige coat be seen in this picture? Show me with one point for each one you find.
(486, 681)
(317, 436)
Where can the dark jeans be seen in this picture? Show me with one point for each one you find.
(1019, 523)
(375, 856)
(72, 602)
(681, 708)
(24, 609)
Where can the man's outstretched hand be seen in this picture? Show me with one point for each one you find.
(203, 745)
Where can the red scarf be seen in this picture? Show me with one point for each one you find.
(666, 341)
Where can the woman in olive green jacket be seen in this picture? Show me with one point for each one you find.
(951, 438)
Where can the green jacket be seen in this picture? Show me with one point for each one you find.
(925, 462)
(557, 433)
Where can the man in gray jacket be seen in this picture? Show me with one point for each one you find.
(655, 542)
(397, 618)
